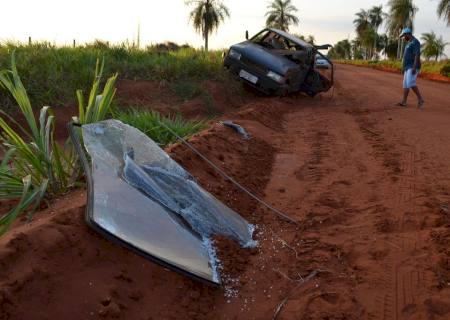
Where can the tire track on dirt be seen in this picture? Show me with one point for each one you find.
(403, 279)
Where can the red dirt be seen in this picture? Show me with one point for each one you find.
(425, 75)
(368, 182)
(158, 96)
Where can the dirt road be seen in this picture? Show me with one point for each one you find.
(368, 182)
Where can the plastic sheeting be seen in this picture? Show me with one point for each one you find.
(144, 198)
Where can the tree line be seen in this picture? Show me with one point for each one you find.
(369, 44)
(208, 15)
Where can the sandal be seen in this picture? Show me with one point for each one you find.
(421, 103)
(400, 104)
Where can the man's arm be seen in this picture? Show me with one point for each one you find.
(416, 58)
(416, 63)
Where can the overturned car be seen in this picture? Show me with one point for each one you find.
(276, 62)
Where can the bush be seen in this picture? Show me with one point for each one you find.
(445, 71)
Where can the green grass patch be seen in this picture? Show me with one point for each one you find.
(186, 90)
(52, 74)
(149, 122)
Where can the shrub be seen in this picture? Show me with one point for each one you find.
(34, 165)
(445, 71)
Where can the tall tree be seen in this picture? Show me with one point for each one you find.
(433, 46)
(367, 23)
(376, 17)
(444, 10)
(341, 50)
(207, 16)
(401, 14)
(281, 14)
(362, 21)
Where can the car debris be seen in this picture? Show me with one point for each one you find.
(321, 63)
(143, 200)
(239, 129)
(276, 62)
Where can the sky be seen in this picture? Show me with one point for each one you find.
(61, 21)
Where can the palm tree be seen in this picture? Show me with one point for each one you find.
(433, 46)
(444, 10)
(367, 23)
(401, 15)
(376, 16)
(281, 14)
(341, 50)
(206, 16)
(362, 21)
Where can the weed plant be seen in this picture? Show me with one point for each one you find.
(34, 165)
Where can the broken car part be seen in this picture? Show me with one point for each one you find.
(142, 199)
(239, 129)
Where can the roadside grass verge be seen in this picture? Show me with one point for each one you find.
(52, 74)
(432, 67)
(149, 122)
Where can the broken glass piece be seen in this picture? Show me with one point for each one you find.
(145, 199)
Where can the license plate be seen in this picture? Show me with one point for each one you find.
(248, 76)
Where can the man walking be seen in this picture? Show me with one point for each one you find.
(411, 67)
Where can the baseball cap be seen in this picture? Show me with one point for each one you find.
(406, 31)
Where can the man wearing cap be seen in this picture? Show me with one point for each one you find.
(411, 67)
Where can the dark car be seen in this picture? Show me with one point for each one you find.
(276, 62)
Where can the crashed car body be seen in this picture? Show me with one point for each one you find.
(274, 61)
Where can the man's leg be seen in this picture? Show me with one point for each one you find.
(417, 92)
(406, 87)
(405, 95)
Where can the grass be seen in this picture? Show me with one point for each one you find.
(149, 122)
(427, 66)
(186, 90)
(52, 74)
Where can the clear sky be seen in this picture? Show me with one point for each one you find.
(85, 20)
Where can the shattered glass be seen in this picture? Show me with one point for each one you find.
(146, 199)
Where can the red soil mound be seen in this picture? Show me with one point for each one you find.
(56, 267)
(215, 99)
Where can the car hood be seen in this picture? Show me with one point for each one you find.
(263, 57)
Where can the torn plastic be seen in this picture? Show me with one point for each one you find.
(148, 202)
(239, 129)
